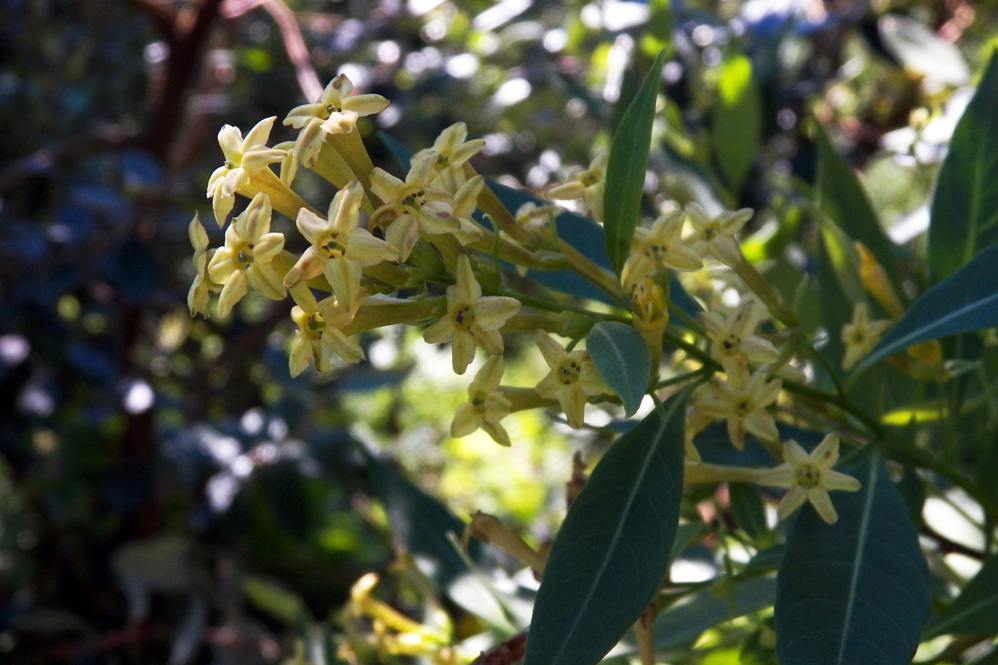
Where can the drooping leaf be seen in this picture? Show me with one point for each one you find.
(612, 551)
(621, 357)
(854, 592)
(626, 168)
(965, 204)
(967, 300)
(842, 198)
(737, 124)
(975, 610)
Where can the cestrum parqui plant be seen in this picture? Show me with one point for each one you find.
(414, 251)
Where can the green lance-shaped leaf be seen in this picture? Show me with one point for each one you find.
(854, 592)
(737, 124)
(625, 170)
(621, 357)
(839, 285)
(612, 551)
(967, 300)
(842, 198)
(965, 203)
(975, 611)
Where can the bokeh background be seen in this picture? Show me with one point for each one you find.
(167, 492)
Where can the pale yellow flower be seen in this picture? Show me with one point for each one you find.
(809, 478)
(451, 151)
(245, 260)
(471, 320)
(319, 337)
(743, 405)
(659, 247)
(861, 335)
(197, 297)
(538, 222)
(412, 206)
(486, 405)
(335, 112)
(587, 185)
(244, 157)
(735, 343)
(572, 380)
(650, 314)
(339, 249)
(716, 236)
(465, 204)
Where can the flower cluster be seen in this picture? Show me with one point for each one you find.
(416, 250)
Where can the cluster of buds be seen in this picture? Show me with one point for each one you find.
(412, 250)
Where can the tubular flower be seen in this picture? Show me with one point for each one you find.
(244, 157)
(588, 185)
(486, 405)
(451, 151)
(197, 297)
(650, 314)
(734, 340)
(245, 260)
(809, 478)
(339, 250)
(655, 248)
(572, 380)
(335, 112)
(471, 320)
(861, 335)
(412, 206)
(319, 336)
(716, 237)
(743, 405)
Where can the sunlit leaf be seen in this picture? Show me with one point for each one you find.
(842, 198)
(612, 552)
(619, 353)
(965, 203)
(922, 50)
(683, 623)
(975, 610)
(737, 124)
(854, 592)
(625, 171)
(967, 300)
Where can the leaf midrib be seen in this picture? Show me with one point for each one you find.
(666, 419)
(864, 529)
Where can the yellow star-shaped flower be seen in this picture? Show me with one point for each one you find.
(716, 236)
(246, 258)
(734, 340)
(658, 247)
(335, 112)
(486, 405)
(743, 404)
(319, 337)
(243, 158)
(339, 250)
(572, 380)
(451, 151)
(412, 206)
(861, 335)
(587, 185)
(809, 478)
(471, 320)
